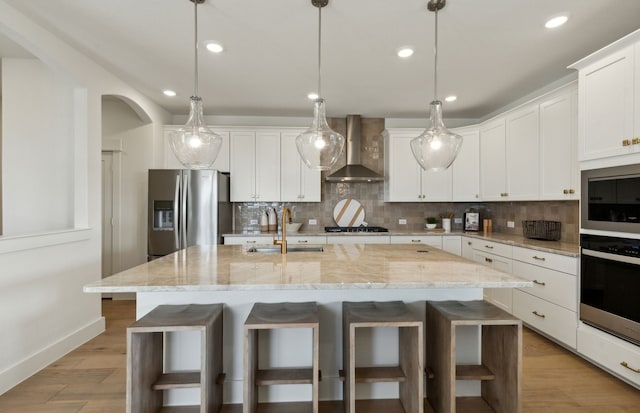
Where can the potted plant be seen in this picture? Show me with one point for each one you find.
(431, 222)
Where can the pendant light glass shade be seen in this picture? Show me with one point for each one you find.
(195, 145)
(437, 147)
(319, 146)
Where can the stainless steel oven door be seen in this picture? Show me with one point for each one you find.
(610, 293)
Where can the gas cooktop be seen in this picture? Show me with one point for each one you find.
(355, 229)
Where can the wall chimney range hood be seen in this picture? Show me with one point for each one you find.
(353, 171)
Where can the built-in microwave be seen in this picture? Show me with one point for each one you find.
(611, 199)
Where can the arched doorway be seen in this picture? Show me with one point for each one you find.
(127, 155)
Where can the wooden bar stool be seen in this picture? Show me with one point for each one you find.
(147, 377)
(264, 316)
(500, 369)
(409, 372)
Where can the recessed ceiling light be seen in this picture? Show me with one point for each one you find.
(169, 93)
(451, 98)
(313, 96)
(214, 47)
(556, 21)
(405, 52)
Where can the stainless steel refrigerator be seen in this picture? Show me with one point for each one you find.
(187, 207)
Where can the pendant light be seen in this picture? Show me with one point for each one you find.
(319, 146)
(437, 147)
(195, 145)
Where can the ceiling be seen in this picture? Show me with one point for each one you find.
(491, 52)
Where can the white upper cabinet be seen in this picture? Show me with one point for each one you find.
(298, 182)
(493, 166)
(559, 178)
(609, 98)
(606, 106)
(509, 156)
(255, 166)
(171, 162)
(465, 171)
(522, 154)
(405, 181)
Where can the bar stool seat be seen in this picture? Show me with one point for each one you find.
(408, 373)
(269, 316)
(147, 377)
(500, 369)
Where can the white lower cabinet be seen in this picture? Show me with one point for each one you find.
(248, 240)
(618, 356)
(306, 239)
(431, 240)
(550, 306)
(358, 239)
(549, 318)
(452, 244)
(554, 286)
(502, 297)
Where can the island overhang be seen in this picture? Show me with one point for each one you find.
(338, 266)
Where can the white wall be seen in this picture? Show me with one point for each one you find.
(43, 311)
(38, 148)
(121, 124)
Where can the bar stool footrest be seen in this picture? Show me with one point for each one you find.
(178, 380)
(270, 377)
(379, 374)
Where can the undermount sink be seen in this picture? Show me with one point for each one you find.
(295, 248)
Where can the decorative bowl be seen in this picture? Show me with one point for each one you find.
(293, 226)
(431, 226)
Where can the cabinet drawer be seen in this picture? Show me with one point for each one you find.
(556, 321)
(610, 352)
(546, 259)
(554, 286)
(357, 239)
(250, 240)
(432, 240)
(306, 239)
(493, 261)
(495, 248)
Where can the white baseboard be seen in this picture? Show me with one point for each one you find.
(27, 367)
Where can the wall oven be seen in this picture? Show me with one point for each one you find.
(611, 199)
(610, 285)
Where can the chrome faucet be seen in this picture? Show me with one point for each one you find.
(286, 216)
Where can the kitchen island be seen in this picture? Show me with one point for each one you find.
(237, 277)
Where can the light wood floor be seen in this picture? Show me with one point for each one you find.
(91, 379)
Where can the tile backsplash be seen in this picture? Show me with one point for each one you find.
(388, 214)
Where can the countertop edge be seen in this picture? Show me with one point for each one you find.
(521, 241)
(265, 287)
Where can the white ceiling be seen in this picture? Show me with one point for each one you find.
(491, 52)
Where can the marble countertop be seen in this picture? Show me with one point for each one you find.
(555, 247)
(233, 267)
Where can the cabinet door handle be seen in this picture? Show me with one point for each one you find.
(626, 142)
(250, 242)
(488, 259)
(415, 240)
(572, 191)
(468, 242)
(626, 366)
(535, 257)
(534, 312)
(566, 191)
(539, 282)
(489, 247)
(302, 241)
(635, 141)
